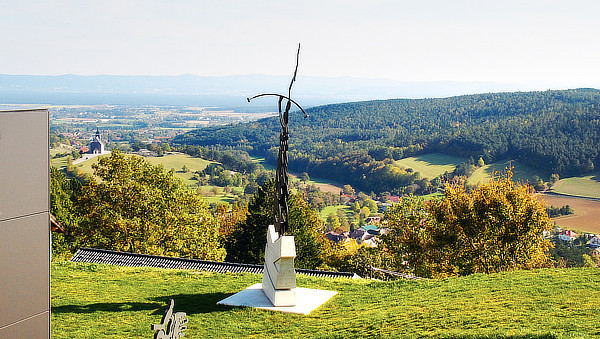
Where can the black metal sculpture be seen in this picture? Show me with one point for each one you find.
(281, 209)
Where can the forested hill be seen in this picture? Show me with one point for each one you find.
(552, 131)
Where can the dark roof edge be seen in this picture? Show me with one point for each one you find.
(84, 252)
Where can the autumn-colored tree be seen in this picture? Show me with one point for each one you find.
(496, 227)
(141, 208)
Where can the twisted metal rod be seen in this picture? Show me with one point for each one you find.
(280, 205)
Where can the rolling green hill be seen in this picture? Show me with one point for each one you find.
(583, 186)
(170, 161)
(550, 131)
(431, 165)
(521, 172)
(90, 300)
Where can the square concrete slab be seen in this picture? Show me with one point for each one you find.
(253, 296)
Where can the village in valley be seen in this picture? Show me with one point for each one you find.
(351, 219)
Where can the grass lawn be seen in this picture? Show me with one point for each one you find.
(431, 165)
(59, 162)
(170, 161)
(521, 172)
(325, 212)
(584, 186)
(102, 301)
(176, 162)
(86, 166)
(220, 196)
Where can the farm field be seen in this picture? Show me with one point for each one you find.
(586, 217)
(323, 184)
(104, 301)
(584, 186)
(521, 172)
(431, 165)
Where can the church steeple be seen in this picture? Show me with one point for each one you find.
(96, 146)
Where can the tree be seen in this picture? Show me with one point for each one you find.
(348, 190)
(372, 205)
(304, 177)
(63, 196)
(247, 243)
(356, 207)
(141, 208)
(365, 212)
(333, 221)
(496, 227)
(554, 178)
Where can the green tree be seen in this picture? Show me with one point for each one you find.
(63, 198)
(247, 243)
(333, 221)
(304, 177)
(372, 205)
(141, 208)
(365, 212)
(348, 190)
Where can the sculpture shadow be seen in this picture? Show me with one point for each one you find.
(188, 303)
(525, 336)
(106, 307)
(194, 303)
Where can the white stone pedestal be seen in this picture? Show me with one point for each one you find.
(278, 291)
(279, 276)
(307, 299)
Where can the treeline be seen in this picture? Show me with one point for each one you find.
(551, 131)
(141, 208)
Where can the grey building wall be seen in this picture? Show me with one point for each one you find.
(24, 225)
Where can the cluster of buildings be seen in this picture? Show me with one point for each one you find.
(591, 240)
(367, 235)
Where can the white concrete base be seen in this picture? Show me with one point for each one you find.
(253, 296)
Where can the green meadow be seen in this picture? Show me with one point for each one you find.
(521, 173)
(170, 161)
(103, 301)
(177, 161)
(431, 165)
(583, 186)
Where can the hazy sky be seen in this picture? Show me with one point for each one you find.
(496, 40)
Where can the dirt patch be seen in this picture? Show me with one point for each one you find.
(329, 188)
(586, 217)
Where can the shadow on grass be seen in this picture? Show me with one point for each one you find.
(106, 307)
(526, 336)
(194, 303)
(188, 303)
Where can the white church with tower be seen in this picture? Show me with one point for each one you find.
(96, 146)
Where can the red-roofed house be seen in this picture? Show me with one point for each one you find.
(567, 235)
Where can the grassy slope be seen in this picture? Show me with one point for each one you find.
(104, 301)
(431, 165)
(520, 172)
(584, 186)
(176, 162)
(171, 161)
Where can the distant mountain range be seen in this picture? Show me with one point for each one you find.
(226, 91)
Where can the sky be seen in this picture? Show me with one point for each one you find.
(427, 40)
